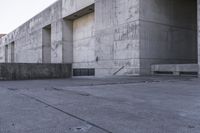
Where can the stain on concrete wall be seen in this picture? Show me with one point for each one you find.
(117, 37)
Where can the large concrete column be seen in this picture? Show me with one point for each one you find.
(117, 37)
(56, 42)
(198, 34)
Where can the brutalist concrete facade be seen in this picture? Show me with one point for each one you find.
(112, 37)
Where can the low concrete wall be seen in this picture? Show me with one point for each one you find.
(175, 69)
(24, 71)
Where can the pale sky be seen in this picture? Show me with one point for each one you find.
(13, 13)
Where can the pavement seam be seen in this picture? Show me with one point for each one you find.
(67, 113)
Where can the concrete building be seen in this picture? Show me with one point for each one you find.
(1, 35)
(109, 37)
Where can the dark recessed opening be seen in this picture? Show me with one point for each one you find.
(189, 73)
(12, 52)
(6, 54)
(84, 72)
(46, 44)
(81, 12)
(163, 72)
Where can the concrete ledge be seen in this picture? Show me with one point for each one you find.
(25, 71)
(175, 69)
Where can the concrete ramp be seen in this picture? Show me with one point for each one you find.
(175, 69)
(25, 71)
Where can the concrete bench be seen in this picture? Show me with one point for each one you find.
(175, 69)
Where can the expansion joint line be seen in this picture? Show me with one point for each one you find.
(69, 114)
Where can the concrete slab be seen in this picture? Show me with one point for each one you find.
(101, 105)
(175, 69)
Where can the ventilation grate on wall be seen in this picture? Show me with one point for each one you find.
(84, 72)
(189, 73)
(163, 72)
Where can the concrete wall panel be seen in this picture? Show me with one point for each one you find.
(167, 32)
(83, 40)
(56, 42)
(117, 37)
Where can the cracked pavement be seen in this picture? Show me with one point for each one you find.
(101, 105)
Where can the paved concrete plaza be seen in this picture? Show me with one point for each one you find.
(101, 105)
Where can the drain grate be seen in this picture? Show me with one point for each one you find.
(81, 128)
(163, 72)
(12, 89)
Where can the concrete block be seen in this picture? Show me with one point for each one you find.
(175, 69)
(24, 71)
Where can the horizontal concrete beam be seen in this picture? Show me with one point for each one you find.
(81, 13)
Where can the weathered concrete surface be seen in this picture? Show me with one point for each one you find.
(117, 105)
(112, 40)
(84, 42)
(20, 71)
(114, 37)
(117, 37)
(168, 32)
